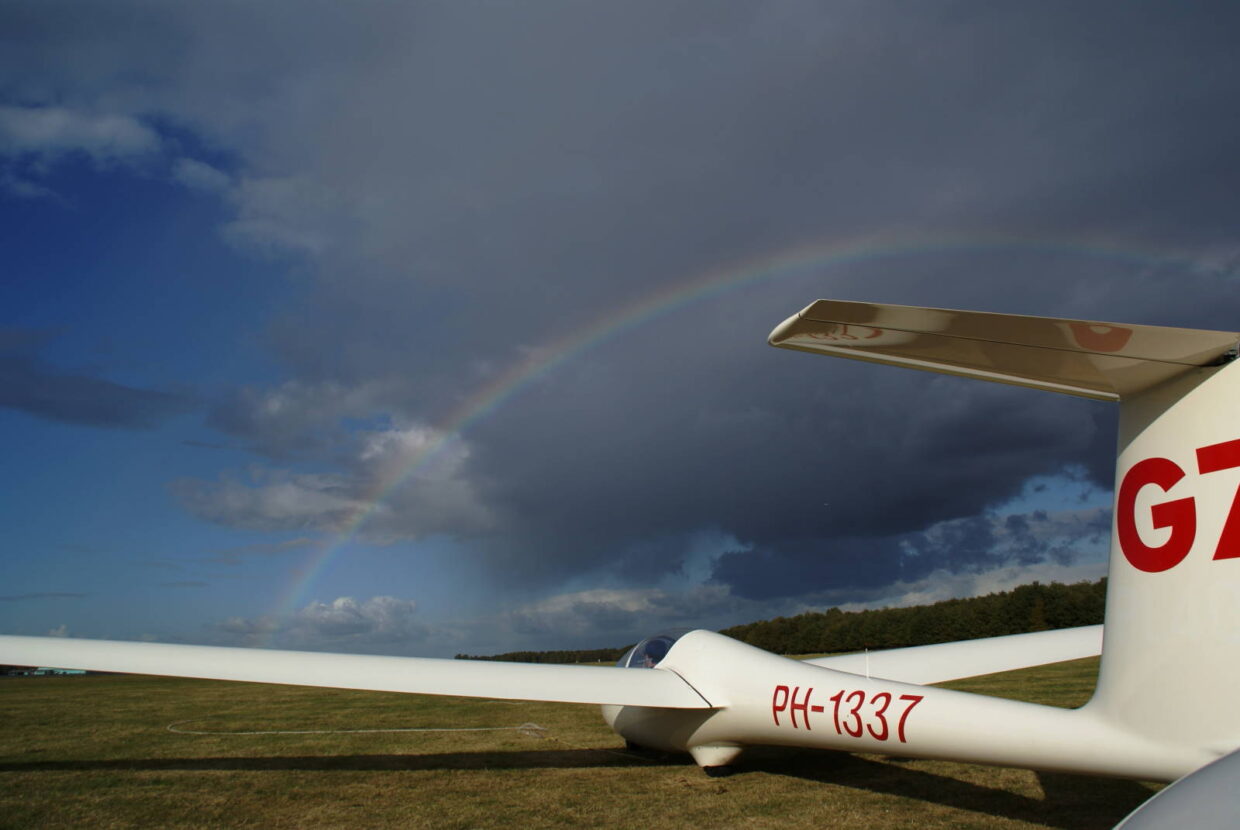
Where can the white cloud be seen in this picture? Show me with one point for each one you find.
(407, 483)
(943, 584)
(380, 623)
(611, 616)
(627, 601)
(298, 417)
(382, 619)
(286, 214)
(274, 500)
(1062, 536)
(198, 175)
(34, 138)
(388, 454)
(61, 630)
(23, 188)
(53, 131)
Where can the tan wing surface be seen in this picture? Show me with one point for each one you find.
(1106, 361)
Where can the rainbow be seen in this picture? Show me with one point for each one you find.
(503, 387)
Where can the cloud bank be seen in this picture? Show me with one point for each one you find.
(452, 200)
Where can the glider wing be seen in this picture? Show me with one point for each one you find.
(970, 658)
(419, 675)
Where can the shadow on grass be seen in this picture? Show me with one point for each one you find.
(522, 759)
(1070, 802)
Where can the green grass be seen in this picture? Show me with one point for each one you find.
(95, 751)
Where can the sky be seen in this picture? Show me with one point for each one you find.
(436, 327)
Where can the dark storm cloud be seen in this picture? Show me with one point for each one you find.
(31, 385)
(843, 568)
(480, 186)
(781, 450)
(811, 565)
(660, 158)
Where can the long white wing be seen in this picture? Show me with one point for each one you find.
(468, 678)
(969, 658)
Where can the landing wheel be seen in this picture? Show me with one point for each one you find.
(640, 749)
(719, 772)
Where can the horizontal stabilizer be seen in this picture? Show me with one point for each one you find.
(419, 675)
(970, 658)
(1107, 361)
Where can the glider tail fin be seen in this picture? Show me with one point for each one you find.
(1171, 653)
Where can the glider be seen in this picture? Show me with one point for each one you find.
(1163, 707)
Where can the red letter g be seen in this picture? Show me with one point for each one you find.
(1179, 515)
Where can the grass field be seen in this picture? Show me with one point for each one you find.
(97, 751)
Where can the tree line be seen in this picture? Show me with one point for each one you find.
(1033, 607)
(587, 655)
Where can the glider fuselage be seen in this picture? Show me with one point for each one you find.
(759, 698)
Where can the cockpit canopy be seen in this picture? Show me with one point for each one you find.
(649, 652)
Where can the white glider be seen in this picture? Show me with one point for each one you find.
(1163, 707)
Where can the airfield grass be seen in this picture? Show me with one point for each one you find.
(96, 751)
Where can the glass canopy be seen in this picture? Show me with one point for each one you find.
(649, 652)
